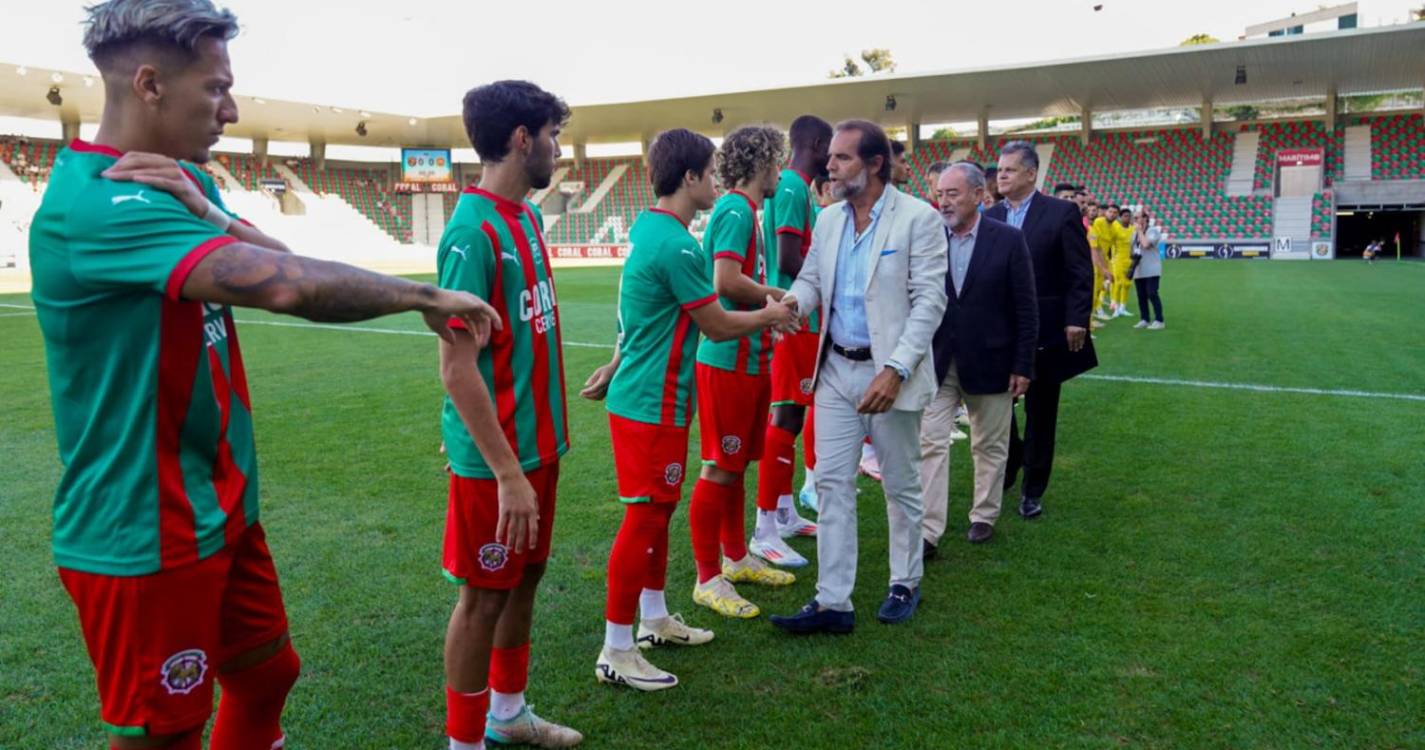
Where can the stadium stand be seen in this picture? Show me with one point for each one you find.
(367, 190)
(29, 158)
(1322, 212)
(1293, 134)
(1397, 147)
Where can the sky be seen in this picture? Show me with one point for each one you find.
(417, 57)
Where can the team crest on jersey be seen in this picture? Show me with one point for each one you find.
(731, 445)
(806, 386)
(184, 671)
(493, 556)
(673, 473)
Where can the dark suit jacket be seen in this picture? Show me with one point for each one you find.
(1063, 275)
(991, 326)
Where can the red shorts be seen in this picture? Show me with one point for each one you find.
(732, 416)
(473, 556)
(158, 640)
(649, 459)
(793, 364)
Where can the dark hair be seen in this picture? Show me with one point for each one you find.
(898, 148)
(673, 154)
(494, 111)
(1026, 152)
(991, 171)
(873, 143)
(113, 26)
(1061, 187)
(1080, 191)
(807, 129)
(1107, 206)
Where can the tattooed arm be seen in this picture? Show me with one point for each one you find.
(249, 276)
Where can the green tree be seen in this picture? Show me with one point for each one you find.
(1197, 39)
(878, 60)
(944, 134)
(1243, 112)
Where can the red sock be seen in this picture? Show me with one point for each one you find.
(704, 519)
(465, 715)
(629, 560)
(809, 438)
(734, 521)
(509, 669)
(774, 473)
(657, 576)
(250, 710)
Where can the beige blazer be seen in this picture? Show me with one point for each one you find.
(905, 292)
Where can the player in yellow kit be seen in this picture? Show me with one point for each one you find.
(1121, 261)
(1101, 245)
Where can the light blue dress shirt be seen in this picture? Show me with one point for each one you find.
(849, 328)
(962, 248)
(1015, 216)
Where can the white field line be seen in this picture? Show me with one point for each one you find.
(1142, 380)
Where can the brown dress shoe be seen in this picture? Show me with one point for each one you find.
(980, 532)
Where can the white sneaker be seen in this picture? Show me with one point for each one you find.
(777, 552)
(790, 524)
(670, 630)
(1100, 315)
(628, 667)
(1141, 324)
(958, 434)
(1122, 311)
(962, 417)
(1157, 326)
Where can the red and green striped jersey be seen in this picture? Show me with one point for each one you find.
(494, 248)
(150, 401)
(789, 210)
(664, 277)
(733, 234)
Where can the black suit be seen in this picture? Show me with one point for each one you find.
(1063, 275)
(991, 324)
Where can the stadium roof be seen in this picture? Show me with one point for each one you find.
(1351, 61)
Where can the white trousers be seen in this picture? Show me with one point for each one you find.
(840, 430)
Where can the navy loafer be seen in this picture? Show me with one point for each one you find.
(900, 604)
(813, 619)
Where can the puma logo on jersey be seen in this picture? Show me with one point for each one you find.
(689, 253)
(116, 200)
(509, 257)
(458, 250)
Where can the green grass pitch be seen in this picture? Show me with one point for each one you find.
(1215, 567)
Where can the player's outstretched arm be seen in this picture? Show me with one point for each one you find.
(724, 325)
(325, 291)
(729, 281)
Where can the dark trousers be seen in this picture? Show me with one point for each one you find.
(1148, 291)
(1035, 452)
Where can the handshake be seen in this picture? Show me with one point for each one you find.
(782, 316)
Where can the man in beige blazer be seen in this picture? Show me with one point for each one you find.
(876, 271)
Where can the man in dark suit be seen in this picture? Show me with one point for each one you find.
(983, 349)
(1063, 275)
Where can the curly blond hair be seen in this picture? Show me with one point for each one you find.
(747, 151)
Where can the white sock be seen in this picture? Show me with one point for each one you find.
(652, 605)
(810, 481)
(618, 637)
(505, 706)
(766, 524)
(458, 745)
